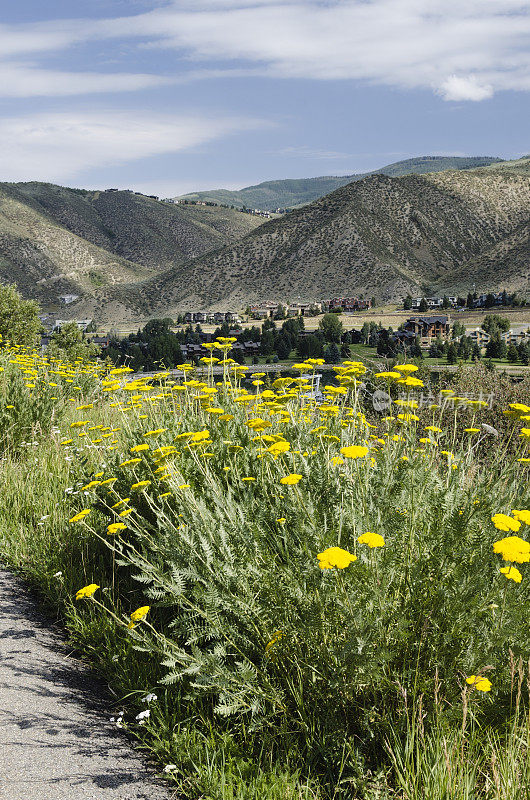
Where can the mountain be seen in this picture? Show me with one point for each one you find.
(271, 195)
(379, 236)
(55, 240)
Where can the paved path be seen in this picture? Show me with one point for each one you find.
(56, 741)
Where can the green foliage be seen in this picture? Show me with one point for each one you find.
(277, 679)
(19, 319)
(331, 328)
(495, 322)
(69, 343)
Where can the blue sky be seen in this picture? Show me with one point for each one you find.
(171, 96)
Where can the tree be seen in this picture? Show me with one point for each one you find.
(331, 328)
(493, 321)
(512, 353)
(309, 347)
(423, 304)
(452, 354)
(496, 348)
(458, 330)
(332, 354)
(69, 343)
(524, 352)
(490, 300)
(445, 302)
(476, 353)
(407, 303)
(19, 319)
(283, 346)
(469, 301)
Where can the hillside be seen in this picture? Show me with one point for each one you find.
(379, 236)
(294, 193)
(55, 240)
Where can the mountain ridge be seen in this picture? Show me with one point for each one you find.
(293, 192)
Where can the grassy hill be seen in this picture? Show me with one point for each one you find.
(294, 193)
(55, 240)
(379, 236)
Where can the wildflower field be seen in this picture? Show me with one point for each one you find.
(289, 599)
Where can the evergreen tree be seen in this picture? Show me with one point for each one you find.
(452, 354)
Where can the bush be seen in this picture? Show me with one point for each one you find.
(248, 642)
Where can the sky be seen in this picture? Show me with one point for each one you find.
(172, 96)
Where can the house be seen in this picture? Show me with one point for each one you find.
(264, 310)
(510, 337)
(82, 324)
(429, 327)
(345, 304)
(68, 298)
(480, 337)
(101, 341)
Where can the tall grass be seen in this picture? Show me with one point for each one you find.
(275, 678)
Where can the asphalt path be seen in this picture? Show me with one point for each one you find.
(56, 738)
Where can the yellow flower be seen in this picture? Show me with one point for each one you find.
(248, 479)
(335, 557)
(406, 367)
(184, 486)
(354, 451)
(505, 523)
(291, 480)
(139, 447)
(86, 591)
(138, 615)
(277, 635)
(140, 485)
(130, 462)
(278, 448)
(126, 512)
(525, 433)
(512, 573)
(371, 539)
(523, 515)
(121, 502)
(513, 548)
(281, 520)
(90, 485)
(155, 432)
(115, 527)
(482, 684)
(80, 515)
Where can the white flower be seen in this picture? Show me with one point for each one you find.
(169, 767)
(149, 698)
(143, 715)
(118, 720)
(489, 429)
(58, 574)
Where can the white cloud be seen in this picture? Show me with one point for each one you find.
(468, 88)
(460, 49)
(28, 80)
(59, 146)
